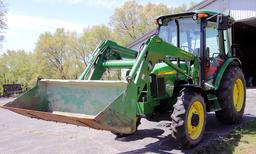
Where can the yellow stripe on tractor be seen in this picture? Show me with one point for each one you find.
(167, 73)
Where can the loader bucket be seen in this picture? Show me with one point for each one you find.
(105, 105)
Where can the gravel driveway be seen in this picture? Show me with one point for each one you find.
(21, 134)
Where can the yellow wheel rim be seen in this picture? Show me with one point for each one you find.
(195, 120)
(238, 95)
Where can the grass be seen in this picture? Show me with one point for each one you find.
(240, 141)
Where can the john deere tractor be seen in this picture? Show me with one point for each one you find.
(188, 68)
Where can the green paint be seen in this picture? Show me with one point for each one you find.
(176, 68)
(105, 49)
(85, 97)
(118, 63)
(223, 69)
(214, 103)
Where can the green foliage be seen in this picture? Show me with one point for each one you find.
(65, 54)
(95, 34)
(16, 67)
(2, 15)
(82, 45)
(55, 56)
(2, 20)
(133, 20)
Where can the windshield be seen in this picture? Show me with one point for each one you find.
(189, 31)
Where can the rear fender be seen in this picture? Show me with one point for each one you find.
(227, 63)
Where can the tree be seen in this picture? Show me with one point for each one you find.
(52, 48)
(182, 8)
(16, 67)
(148, 13)
(133, 20)
(2, 20)
(3, 71)
(125, 21)
(79, 46)
(60, 55)
(96, 34)
(83, 45)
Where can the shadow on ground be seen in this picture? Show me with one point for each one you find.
(215, 133)
(165, 144)
(228, 142)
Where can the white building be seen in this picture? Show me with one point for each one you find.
(239, 9)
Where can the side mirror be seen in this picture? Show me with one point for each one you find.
(222, 22)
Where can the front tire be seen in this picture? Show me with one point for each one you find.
(188, 119)
(232, 96)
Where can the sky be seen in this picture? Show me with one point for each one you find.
(27, 19)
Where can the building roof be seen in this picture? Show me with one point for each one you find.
(201, 5)
(141, 39)
(248, 22)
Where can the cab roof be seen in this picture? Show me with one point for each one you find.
(209, 12)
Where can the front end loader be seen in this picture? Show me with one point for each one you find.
(187, 69)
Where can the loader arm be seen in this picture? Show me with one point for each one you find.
(106, 50)
(109, 54)
(156, 50)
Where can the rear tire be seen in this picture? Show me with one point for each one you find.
(232, 96)
(188, 119)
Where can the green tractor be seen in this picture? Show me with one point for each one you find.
(187, 69)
